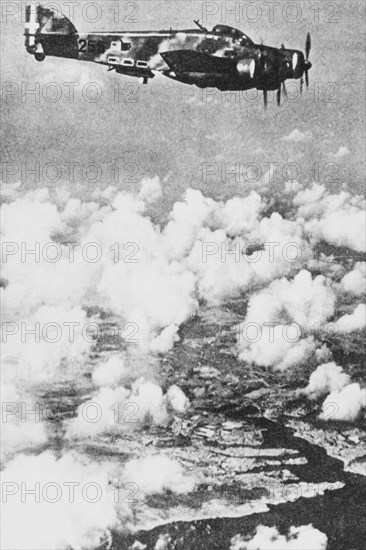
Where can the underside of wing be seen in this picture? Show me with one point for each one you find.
(190, 61)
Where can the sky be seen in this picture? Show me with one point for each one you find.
(186, 136)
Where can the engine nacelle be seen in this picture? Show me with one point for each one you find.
(246, 67)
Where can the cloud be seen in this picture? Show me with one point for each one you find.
(20, 430)
(345, 404)
(156, 294)
(123, 409)
(328, 377)
(338, 219)
(274, 349)
(112, 372)
(279, 320)
(303, 300)
(297, 136)
(151, 190)
(354, 321)
(355, 281)
(342, 152)
(268, 538)
(156, 473)
(35, 347)
(55, 519)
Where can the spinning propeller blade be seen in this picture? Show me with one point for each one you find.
(307, 64)
(307, 46)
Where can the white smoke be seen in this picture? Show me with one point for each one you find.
(268, 538)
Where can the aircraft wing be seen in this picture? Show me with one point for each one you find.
(190, 61)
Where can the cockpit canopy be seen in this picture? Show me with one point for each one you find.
(235, 34)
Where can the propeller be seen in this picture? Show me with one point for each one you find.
(279, 95)
(307, 64)
(265, 98)
(282, 75)
(307, 46)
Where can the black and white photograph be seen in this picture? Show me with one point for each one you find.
(183, 275)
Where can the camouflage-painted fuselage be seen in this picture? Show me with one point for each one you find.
(224, 58)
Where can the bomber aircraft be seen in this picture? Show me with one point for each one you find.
(223, 58)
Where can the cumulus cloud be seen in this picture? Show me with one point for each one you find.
(122, 409)
(21, 428)
(268, 538)
(338, 219)
(343, 151)
(355, 281)
(354, 321)
(280, 318)
(112, 372)
(156, 473)
(74, 509)
(328, 377)
(165, 340)
(345, 400)
(34, 348)
(345, 404)
(303, 300)
(297, 136)
(177, 399)
(276, 347)
(150, 190)
(154, 277)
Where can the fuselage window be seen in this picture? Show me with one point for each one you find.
(142, 64)
(127, 62)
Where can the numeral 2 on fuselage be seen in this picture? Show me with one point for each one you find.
(91, 46)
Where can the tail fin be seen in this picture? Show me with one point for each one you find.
(49, 33)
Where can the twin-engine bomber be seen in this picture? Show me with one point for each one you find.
(223, 58)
